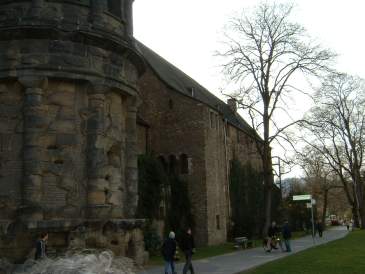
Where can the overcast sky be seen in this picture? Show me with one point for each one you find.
(187, 32)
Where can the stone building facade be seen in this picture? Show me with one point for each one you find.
(189, 128)
(68, 137)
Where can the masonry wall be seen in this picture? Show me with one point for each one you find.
(217, 192)
(11, 140)
(242, 147)
(224, 142)
(176, 128)
(180, 124)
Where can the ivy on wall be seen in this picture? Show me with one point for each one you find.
(247, 200)
(152, 179)
(179, 215)
(156, 185)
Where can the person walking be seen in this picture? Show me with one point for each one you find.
(188, 247)
(347, 225)
(41, 246)
(168, 253)
(271, 234)
(320, 229)
(286, 232)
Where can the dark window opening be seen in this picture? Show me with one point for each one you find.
(211, 120)
(184, 164)
(163, 162)
(115, 8)
(161, 213)
(172, 164)
(171, 104)
(218, 222)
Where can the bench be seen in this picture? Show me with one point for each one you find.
(243, 242)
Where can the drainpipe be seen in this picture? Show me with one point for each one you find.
(227, 170)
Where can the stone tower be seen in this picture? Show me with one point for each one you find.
(68, 101)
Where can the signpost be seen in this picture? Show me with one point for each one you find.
(307, 197)
(302, 197)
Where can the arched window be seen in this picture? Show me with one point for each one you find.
(184, 164)
(172, 164)
(163, 162)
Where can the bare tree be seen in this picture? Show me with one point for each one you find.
(319, 176)
(337, 123)
(264, 53)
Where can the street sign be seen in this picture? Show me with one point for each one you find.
(302, 197)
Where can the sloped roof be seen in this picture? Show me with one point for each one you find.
(179, 81)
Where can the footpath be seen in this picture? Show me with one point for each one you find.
(232, 263)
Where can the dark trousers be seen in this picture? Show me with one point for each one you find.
(287, 245)
(169, 265)
(188, 264)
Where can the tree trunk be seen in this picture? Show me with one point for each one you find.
(355, 216)
(266, 162)
(325, 201)
(268, 194)
(362, 213)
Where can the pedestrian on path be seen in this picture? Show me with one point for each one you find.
(319, 228)
(168, 253)
(286, 232)
(271, 235)
(41, 246)
(188, 247)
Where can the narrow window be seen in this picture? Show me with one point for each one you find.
(218, 222)
(172, 164)
(184, 164)
(163, 162)
(211, 119)
(162, 212)
(171, 104)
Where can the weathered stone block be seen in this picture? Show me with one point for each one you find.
(67, 139)
(96, 197)
(63, 126)
(64, 98)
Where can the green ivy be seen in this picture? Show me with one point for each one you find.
(152, 240)
(151, 181)
(247, 200)
(179, 215)
(154, 186)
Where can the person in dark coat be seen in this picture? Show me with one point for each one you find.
(286, 232)
(41, 246)
(188, 247)
(319, 228)
(168, 253)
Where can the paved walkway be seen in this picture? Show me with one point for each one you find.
(239, 261)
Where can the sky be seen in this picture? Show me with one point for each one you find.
(188, 32)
